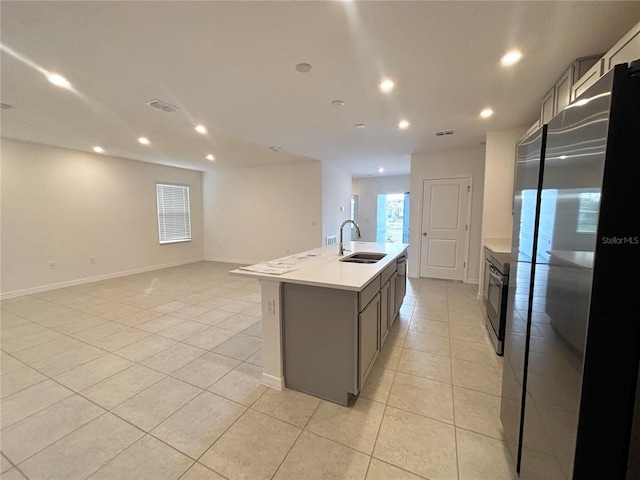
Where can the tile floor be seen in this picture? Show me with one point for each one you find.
(157, 376)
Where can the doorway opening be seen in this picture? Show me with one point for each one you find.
(393, 218)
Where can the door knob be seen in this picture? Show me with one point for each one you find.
(424, 234)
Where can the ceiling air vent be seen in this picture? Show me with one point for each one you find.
(444, 133)
(164, 106)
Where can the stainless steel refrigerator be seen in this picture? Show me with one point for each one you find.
(572, 345)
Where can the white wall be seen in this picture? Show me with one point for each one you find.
(369, 188)
(336, 200)
(441, 165)
(262, 213)
(500, 160)
(66, 206)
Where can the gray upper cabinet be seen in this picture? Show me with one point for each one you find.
(548, 102)
(562, 96)
(583, 73)
(625, 51)
(590, 77)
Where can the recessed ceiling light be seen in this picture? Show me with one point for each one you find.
(511, 57)
(360, 125)
(144, 140)
(58, 80)
(201, 129)
(211, 157)
(275, 149)
(386, 85)
(303, 67)
(98, 149)
(486, 113)
(402, 124)
(380, 170)
(337, 103)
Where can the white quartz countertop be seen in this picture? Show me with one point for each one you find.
(498, 245)
(576, 259)
(321, 266)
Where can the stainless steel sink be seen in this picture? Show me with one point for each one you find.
(364, 257)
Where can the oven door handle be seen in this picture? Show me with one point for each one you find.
(496, 275)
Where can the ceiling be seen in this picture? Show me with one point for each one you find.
(230, 65)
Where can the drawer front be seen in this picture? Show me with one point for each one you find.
(368, 293)
(387, 272)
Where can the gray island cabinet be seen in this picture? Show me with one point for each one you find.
(325, 321)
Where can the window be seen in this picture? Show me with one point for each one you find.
(174, 216)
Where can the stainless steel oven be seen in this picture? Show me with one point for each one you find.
(495, 293)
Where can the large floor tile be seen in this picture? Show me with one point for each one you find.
(93, 372)
(119, 340)
(435, 313)
(31, 400)
(206, 370)
(47, 350)
(238, 322)
(423, 396)
(429, 343)
(477, 411)
(13, 474)
(475, 352)
(379, 470)
(27, 437)
(114, 390)
(389, 357)
(240, 347)
(68, 360)
(183, 330)
(316, 458)
(210, 338)
(200, 472)
(19, 379)
(101, 331)
(160, 324)
(475, 376)
(215, 316)
(470, 333)
(173, 358)
(147, 459)
(378, 384)
(243, 384)
(418, 444)
(155, 404)
(430, 327)
(84, 451)
(252, 448)
(482, 457)
(198, 424)
(146, 348)
(356, 426)
(426, 365)
(287, 405)
(8, 363)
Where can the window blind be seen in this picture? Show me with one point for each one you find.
(174, 215)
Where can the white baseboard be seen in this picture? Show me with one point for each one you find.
(243, 261)
(273, 382)
(473, 281)
(97, 278)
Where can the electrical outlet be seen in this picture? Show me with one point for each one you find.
(92, 259)
(270, 307)
(52, 265)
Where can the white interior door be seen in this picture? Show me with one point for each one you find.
(444, 228)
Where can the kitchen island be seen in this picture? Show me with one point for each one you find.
(325, 320)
